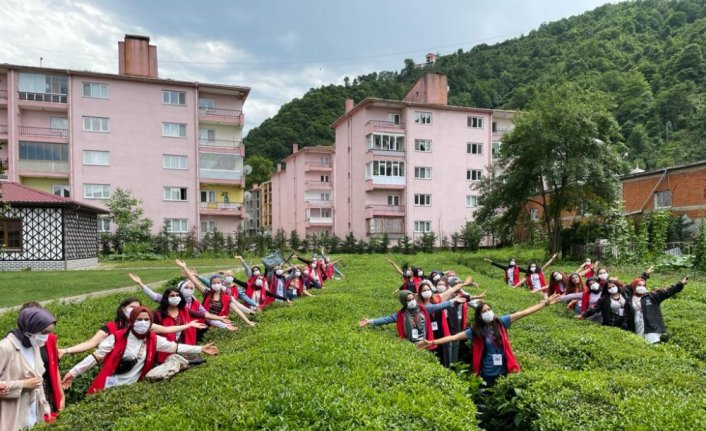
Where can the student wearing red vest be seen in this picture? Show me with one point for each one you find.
(130, 353)
(492, 354)
(173, 311)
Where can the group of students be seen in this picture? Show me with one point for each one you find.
(435, 310)
(140, 338)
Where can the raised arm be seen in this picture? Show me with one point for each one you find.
(307, 261)
(446, 295)
(85, 346)
(662, 294)
(156, 297)
(191, 276)
(495, 264)
(397, 268)
(246, 267)
(550, 261)
(533, 309)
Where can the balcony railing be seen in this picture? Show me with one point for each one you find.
(318, 184)
(384, 124)
(386, 208)
(220, 174)
(320, 220)
(220, 206)
(3, 94)
(220, 112)
(43, 166)
(3, 129)
(219, 143)
(311, 166)
(48, 132)
(320, 202)
(44, 97)
(382, 152)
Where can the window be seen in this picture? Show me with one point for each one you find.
(386, 141)
(393, 118)
(388, 168)
(423, 145)
(326, 196)
(393, 200)
(175, 193)
(97, 158)
(208, 196)
(96, 191)
(96, 124)
(207, 135)
(11, 234)
(326, 212)
(422, 226)
(170, 161)
(471, 201)
(208, 226)
(496, 148)
(59, 126)
(61, 190)
(42, 151)
(422, 117)
(221, 161)
(474, 122)
(422, 200)
(170, 97)
(324, 160)
(205, 103)
(176, 225)
(174, 130)
(422, 173)
(474, 148)
(663, 199)
(474, 174)
(103, 224)
(95, 90)
(324, 178)
(494, 125)
(43, 88)
(534, 214)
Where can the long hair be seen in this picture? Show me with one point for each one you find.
(164, 303)
(479, 325)
(533, 262)
(120, 320)
(572, 287)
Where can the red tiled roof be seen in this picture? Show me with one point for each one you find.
(14, 193)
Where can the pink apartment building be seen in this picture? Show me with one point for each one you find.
(175, 145)
(409, 167)
(302, 193)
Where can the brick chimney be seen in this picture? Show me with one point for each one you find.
(349, 105)
(295, 148)
(431, 88)
(136, 57)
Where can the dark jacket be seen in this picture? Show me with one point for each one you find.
(651, 312)
(607, 316)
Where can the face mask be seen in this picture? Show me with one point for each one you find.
(588, 262)
(174, 300)
(258, 283)
(38, 339)
(279, 272)
(426, 294)
(306, 272)
(217, 287)
(533, 268)
(441, 288)
(297, 274)
(487, 316)
(512, 263)
(613, 290)
(256, 273)
(229, 279)
(412, 304)
(421, 273)
(558, 277)
(603, 276)
(188, 293)
(127, 311)
(141, 326)
(595, 287)
(408, 273)
(437, 277)
(640, 290)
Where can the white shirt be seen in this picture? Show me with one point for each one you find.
(28, 355)
(511, 276)
(534, 279)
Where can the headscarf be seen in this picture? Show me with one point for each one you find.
(32, 321)
(410, 315)
(133, 317)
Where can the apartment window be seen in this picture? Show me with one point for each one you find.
(423, 145)
(208, 226)
(471, 201)
(96, 191)
(422, 226)
(475, 122)
(174, 130)
(42, 151)
(170, 97)
(59, 126)
(325, 196)
(171, 161)
(422, 117)
(388, 168)
(386, 141)
(496, 148)
(494, 125)
(474, 148)
(324, 178)
(663, 199)
(422, 200)
(176, 225)
(43, 88)
(325, 160)
(208, 196)
(474, 174)
(534, 214)
(95, 90)
(96, 124)
(221, 162)
(326, 212)
(422, 173)
(175, 194)
(393, 200)
(61, 190)
(207, 135)
(205, 103)
(103, 224)
(96, 158)
(11, 234)
(393, 118)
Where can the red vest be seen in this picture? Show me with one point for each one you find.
(189, 334)
(225, 300)
(329, 271)
(195, 304)
(111, 361)
(54, 379)
(427, 325)
(300, 286)
(515, 275)
(264, 299)
(443, 314)
(479, 347)
(112, 327)
(528, 280)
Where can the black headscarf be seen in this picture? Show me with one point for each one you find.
(32, 321)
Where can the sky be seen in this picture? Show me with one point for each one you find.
(278, 48)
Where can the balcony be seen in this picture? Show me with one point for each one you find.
(219, 143)
(314, 166)
(377, 125)
(4, 166)
(319, 221)
(43, 101)
(44, 166)
(221, 208)
(318, 203)
(45, 133)
(385, 153)
(3, 97)
(379, 182)
(500, 131)
(3, 129)
(372, 210)
(221, 116)
(220, 174)
(316, 185)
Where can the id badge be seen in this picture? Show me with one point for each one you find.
(415, 334)
(459, 313)
(111, 381)
(620, 312)
(497, 360)
(434, 326)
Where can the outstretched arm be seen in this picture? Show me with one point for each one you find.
(156, 297)
(397, 268)
(492, 262)
(424, 344)
(191, 276)
(533, 309)
(550, 261)
(246, 267)
(446, 295)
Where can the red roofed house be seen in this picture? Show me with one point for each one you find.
(43, 231)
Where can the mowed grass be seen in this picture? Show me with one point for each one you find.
(18, 287)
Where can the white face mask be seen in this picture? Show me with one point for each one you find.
(588, 262)
(640, 290)
(127, 311)
(426, 294)
(441, 288)
(512, 263)
(533, 268)
(412, 304)
(421, 273)
(297, 273)
(408, 273)
(487, 316)
(141, 326)
(595, 287)
(229, 279)
(217, 287)
(38, 339)
(256, 272)
(279, 272)
(603, 276)
(174, 300)
(258, 282)
(558, 277)
(436, 277)
(613, 290)
(306, 272)
(188, 293)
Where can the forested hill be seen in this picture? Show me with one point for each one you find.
(648, 55)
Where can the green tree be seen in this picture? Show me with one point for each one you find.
(563, 152)
(472, 234)
(262, 169)
(126, 213)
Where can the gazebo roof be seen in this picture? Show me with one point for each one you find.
(20, 195)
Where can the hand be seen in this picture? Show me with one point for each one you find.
(612, 278)
(180, 263)
(67, 381)
(62, 352)
(224, 319)
(209, 349)
(239, 257)
(424, 344)
(553, 299)
(555, 255)
(32, 383)
(363, 323)
(135, 279)
(231, 327)
(578, 317)
(650, 270)
(479, 296)
(468, 281)
(250, 323)
(685, 280)
(459, 299)
(197, 325)
(289, 302)
(487, 260)
(4, 388)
